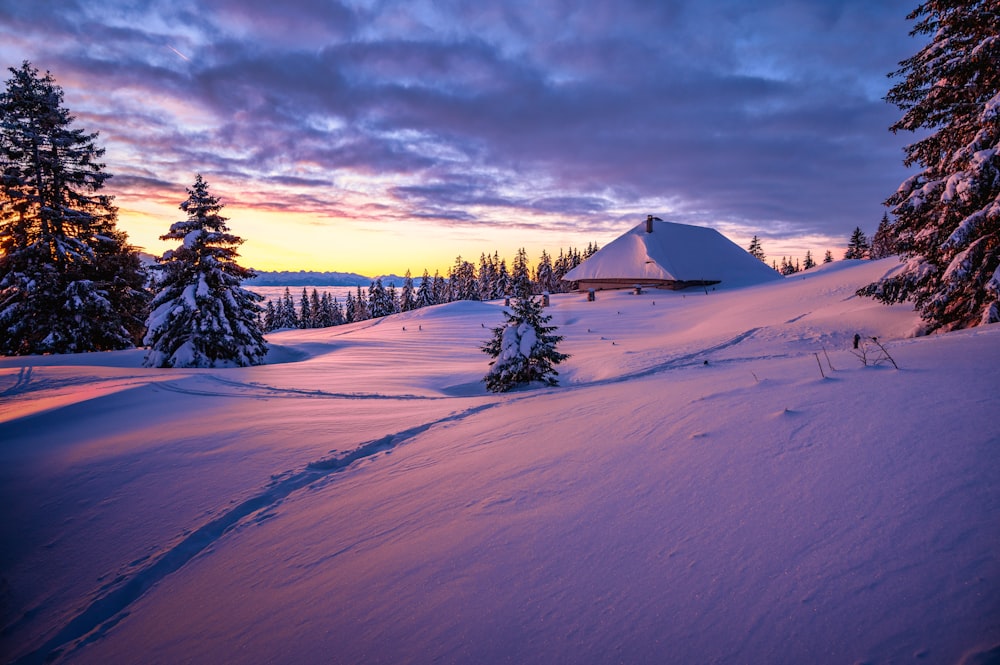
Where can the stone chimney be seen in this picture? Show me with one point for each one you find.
(649, 223)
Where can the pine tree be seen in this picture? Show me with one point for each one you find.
(393, 296)
(857, 246)
(524, 348)
(361, 311)
(809, 262)
(828, 257)
(439, 289)
(462, 281)
(350, 308)
(270, 316)
(486, 277)
(543, 274)
(425, 292)
(201, 315)
(756, 250)
(520, 278)
(947, 217)
(287, 318)
(336, 313)
(316, 310)
(305, 311)
(69, 280)
(503, 283)
(407, 297)
(379, 302)
(883, 242)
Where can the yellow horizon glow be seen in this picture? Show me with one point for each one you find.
(293, 241)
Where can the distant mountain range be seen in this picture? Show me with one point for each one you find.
(314, 278)
(306, 277)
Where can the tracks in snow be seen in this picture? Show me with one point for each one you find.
(684, 360)
(20, 383)
(112, 605)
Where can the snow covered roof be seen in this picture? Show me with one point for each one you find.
(673, 252)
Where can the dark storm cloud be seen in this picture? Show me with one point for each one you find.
(765, 114)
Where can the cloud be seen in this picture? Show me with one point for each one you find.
(717, 112)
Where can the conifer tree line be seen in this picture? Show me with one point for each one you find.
(881, 245)
(490, 281)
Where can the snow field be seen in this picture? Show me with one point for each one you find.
(653, 508)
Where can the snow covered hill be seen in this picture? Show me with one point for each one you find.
(718, 479)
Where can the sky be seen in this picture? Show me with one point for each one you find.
(376, 136)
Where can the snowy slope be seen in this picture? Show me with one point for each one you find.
(694, 491)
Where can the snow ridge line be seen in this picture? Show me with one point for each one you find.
(272, 391)
(268, 392)
(110, 608)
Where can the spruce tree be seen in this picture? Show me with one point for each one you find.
(316, 310)
(379, 302)
(425, 292)
(69, 280)
(809, 262)
(462, 281)
(350, 309)
(883, 242)
(201, 315)
(407, 294)
(361, 311)
(503, 283)
(393, 296)
(523, 348)
(520, 278)
(336, 313)
(756, 250)
(485, 277)
(857, 246)
(287, 317)
(947, 216)
(543, 274)
(270, 316)
(439, 289)
(305, 311)
(828, 257)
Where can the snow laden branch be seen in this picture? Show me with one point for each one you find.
(947, 216)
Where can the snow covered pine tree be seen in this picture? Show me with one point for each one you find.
(69, 280)
(947, 217)
(201, 316)
(524, 348)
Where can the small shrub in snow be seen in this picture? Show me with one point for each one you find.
(870, 351)
(524, 349)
